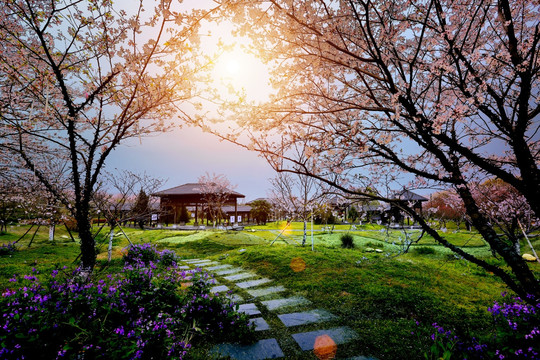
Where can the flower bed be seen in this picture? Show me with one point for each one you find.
(146, 311)
(515, 335)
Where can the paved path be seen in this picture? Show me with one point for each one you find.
(274, 309)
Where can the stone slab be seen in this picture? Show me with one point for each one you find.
(252, 283)
(183, 267)
(278, 304)
(265, 291)
(262, 349)
(193, 261)
(237, 299)
(249, 309)
(219, 267)
(340, 335)
(219, 289)
(229, 271)
(307, 317)
(211, 263)
(240, 276)
(260, 324)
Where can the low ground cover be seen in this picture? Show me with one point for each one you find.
(391, 301)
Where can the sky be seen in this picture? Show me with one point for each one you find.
(184, 154)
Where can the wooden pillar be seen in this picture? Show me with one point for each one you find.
(236, 211)
(196, 212)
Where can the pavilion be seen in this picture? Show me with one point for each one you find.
(190, 195)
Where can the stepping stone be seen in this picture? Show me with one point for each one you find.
(189, 261)
(249, 309)
(183, 267)
(211, 263)
(340, 335)
(230, 271)
(260, 324)
(219, 289)
(307, 317)
(195, 261)
(240, 276)
(278, 304)
(262, 349)
(237, 299)
(265, 291)
(219, 267)
(252, 283)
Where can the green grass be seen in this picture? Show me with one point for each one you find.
(379, 295)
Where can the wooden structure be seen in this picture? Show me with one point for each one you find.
(405, 197)
(189, 195)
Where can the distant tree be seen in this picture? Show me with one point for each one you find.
(117, 194)
(297, 195)
(353, 213)
(140, 210)
(260, 211)
(445, 206)
(216, 190)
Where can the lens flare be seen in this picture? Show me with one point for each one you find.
(325, 348)
(298, 264)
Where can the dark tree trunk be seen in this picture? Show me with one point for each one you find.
(88, 244)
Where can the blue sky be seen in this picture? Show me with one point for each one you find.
(181, 156)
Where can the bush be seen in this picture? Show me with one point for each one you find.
(347, 241)
(8, 249)
(141, 254)
(168, 258)
(424, 250)
(140, 313)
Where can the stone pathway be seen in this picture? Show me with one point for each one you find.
(276, 308)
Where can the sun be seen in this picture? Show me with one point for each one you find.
(233, 67)
(238, 71)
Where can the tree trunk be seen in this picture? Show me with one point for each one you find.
(109, 249)
(88, 244)
(51, 232)
(305, 232)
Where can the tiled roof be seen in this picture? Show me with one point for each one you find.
(191, 189)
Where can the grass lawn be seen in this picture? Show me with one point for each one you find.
(378, 294)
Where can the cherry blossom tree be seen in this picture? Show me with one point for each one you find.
(446, 206)
(443, 91)
(117, 195)
(79, 77)
(216, 191)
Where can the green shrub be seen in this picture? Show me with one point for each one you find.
(347, 241)
(424, 250)
(7, 249)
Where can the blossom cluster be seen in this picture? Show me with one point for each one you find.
(146, 310)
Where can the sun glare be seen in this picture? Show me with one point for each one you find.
(233, 67)
(239, 71)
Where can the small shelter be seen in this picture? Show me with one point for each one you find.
(405, 197)
(189, 195)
